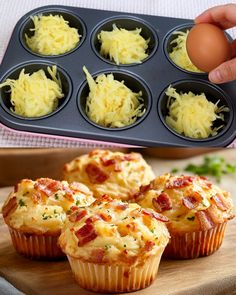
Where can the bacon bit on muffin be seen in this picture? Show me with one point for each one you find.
(155, 215)
(162, 202)
(97, 255)
(96, 174)
(190, 202)
(86, 234)
(47, 186)
(37, 198)
(79, 187)
(77, 215)
(9, 207)
(121, 207)
(180, 182)
(204, 219)
(149, 246)
(219, 202)
(105, 217)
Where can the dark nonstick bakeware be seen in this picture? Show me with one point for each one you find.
(152, 77)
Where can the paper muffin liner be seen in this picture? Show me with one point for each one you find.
(36, 246)
(195, 244)
(115, 278)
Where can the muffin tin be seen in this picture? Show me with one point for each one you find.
(152, 77)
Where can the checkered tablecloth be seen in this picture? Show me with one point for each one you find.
(12, 10)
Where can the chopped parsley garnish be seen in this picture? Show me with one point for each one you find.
(125, 218)
(107, 247)
(45, 217)
(77, 203)
(56, 196)
(174, 170)
(215, 166)
(152, 230)
(124, 245)
(22, 203)
(191, 218)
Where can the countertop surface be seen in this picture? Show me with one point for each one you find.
(11, 12)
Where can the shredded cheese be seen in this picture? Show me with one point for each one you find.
(179, 53)
(35, 95)
(110, 103)
(52, 35)
(193, 115)
(123, 46)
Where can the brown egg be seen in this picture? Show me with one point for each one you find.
(207, 46)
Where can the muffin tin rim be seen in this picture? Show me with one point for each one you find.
(218, 89)
(47, 9)
(127, 17)
(114, 71)
(20, 66)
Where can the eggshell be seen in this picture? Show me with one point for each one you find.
(207, 46)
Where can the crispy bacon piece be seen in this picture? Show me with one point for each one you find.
(121, 207)
(138, 196)
(96, 174)
(130, 157)
(10, 207)
(204, 219)
(47, 186)
(37, 198)
(219, 202)
(97, 255)
(190, 202)
(180, 182)
(131, 226)
(85, 234)
(149, 246)
(105, 217)
(102, 199)
(162, 202)
(77, 186)
(111, 162)
(155, 215)
(92, 219)
(77, 215)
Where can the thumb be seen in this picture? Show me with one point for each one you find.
(224, 73)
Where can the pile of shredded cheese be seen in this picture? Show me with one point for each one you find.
(193, 115)
(35, 95)
(179, 53)
(123, 46)
(112, 104)
(52, 35)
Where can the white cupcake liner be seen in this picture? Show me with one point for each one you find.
(36, 246)
(195, 244)
(115, 278)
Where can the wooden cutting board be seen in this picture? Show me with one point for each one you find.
(215, 274)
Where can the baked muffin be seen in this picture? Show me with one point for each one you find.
(114, 173)
(114, 246)
(35, 213)
(197, 210)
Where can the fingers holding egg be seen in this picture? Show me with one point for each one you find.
(208, 46)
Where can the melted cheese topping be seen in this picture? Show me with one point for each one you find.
(121, 233)
(52, 35)
(112, 104)
(124, 175)
(123, 46)
(193, 115)
(42, 205)
(179, 53)
(35, 95)
(181, 218)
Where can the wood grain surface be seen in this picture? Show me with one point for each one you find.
(215, 274)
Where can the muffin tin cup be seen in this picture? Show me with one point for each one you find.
(74, 22)
(152, 77)
(31, 68)
(132, 82)
(128, 23)
(213, 94)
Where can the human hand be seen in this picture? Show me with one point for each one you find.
(223, 16)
